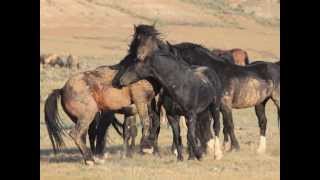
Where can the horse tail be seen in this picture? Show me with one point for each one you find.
(278, 119)
(53, 120)
(116, 124)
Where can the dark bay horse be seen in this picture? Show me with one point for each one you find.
(197, 91)
(236, 56)
(97, 132)
(250, 86)
(87, 93)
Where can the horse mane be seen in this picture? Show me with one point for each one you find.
(146, 30)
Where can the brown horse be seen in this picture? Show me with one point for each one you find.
(236, 56)
(87, 93)
(68, 61)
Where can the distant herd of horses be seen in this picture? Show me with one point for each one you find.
(185, 79)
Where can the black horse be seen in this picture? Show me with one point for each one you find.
(98, 130)
(243, 87)
(173, 113)
(197, 90)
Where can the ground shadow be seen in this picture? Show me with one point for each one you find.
(71, 155)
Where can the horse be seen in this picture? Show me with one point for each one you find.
(87, 93)
(69, 61)
(236, 56)
(97, 132)
(243, 86)
(197, 90)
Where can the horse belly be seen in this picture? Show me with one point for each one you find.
(251, 93)
(115, 99)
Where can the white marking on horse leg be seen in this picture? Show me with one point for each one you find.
(105, 155)
(148, 151)
(210, 146)
(175, 152)
(89, 163)
(262, 145)
(217, 149)
(98, 160)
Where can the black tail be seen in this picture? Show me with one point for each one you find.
(116, 124)
(53, 120)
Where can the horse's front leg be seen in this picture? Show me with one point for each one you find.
(145, 144)
(191, 136)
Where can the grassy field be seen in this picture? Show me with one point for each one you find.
(99, 31)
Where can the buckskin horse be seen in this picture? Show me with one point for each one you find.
(243, 86)
(87, 93)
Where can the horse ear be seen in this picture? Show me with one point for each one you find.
(169, 45)
(171, 49)
(134, 27)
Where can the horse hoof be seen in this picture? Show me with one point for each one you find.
(148, 151)
(180, 159)
(210, 146)
(175, 152)
(218, 155)
(191, 158)
(105, 155)
(98, 160)
(89, 163)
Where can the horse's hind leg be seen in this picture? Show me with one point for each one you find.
(78, 134)
(216, 127)
(276, 99)
(261, 114)
(228, 123)
(104, 123)
(92, 136)
(127, 133)
(225, 136)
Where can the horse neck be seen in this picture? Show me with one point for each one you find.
(201, 57)
(172, 75)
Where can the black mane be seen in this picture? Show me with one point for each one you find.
(142, 29)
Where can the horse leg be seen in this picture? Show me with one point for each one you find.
(154, 113)
(133, 131)
(276, 100)
(216, 127)
(145, 145)
(174, 122)
(126, 136)
(92, 136)
(78, 134)
(261, 114)
(225, 136)
(103, 125)
(228, 122)
(191, 135)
